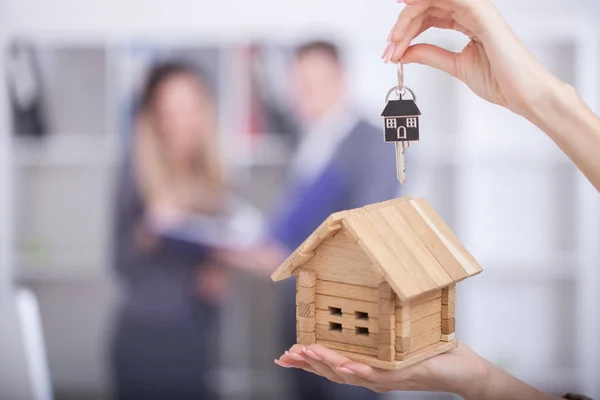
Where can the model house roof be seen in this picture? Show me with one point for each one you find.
(400, 108)
(405, 239)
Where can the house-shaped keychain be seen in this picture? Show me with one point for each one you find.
(378, 283)
(401, 121)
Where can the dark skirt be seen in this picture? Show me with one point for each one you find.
(160, 360)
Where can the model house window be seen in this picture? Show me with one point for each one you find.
(390, 123)
(335, 311)
(362, 315)
(411, 122)
(335, 326)
(362, 331)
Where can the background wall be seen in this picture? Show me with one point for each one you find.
(476, 197)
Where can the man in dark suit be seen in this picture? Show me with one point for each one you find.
(342, 163)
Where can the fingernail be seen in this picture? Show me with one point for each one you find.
(313, 355)
(345, 371)
(390, 53)
(385, 51)
(283, 364)
(296, 356)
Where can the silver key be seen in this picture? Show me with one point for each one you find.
(401, 161)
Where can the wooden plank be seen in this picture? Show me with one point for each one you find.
(386, 337)
(426, 352)
(403, 327)
(348, 306)
(425, 324)
(417, 357)
(307, 279)
(346, 336)
(448, 337)
(425, 339)
(347, 291)
(348, 321)
(448, 326)
(448, 311)
(347, 347)
(426, 309)
(446, 235)
(425, 261)
(432, 241)
(306, 310)
(340, 259)
(292, 262)
(376, 242)
(434, 294)
(305, 295)
(306, 337)
(449, 295)
(402, 345)
(305, 324)
(385, 291)
(386, 353)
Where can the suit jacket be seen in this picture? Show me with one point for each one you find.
(361, 171)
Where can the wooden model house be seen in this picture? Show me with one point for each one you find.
(378, 283)
(401, 121)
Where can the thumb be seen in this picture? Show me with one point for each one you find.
(433, 56)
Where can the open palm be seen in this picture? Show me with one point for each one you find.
(450, 372)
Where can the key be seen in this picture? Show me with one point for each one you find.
(401, 161)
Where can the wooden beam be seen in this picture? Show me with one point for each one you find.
(305, 307)
(387, 322)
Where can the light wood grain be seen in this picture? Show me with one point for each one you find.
(425, 309)
(347, 291)
(348, 321)
(305, 324)
(343, 347)
(446, 235)
(340, 259)
(348, 306)
(448, 326)
(432, 241)
(425, 339)
(307, 279)
(419, 356)
(435, 294)
(449, 295)
(306, 338)
(448, 311)
(448, 337)
(386, 353)
(421, 255)
(425, 324)
(306, 310)
(347, 336)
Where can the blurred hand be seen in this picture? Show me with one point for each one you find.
(495, 64)
(212, 285)
(458, 371)
(262, 260)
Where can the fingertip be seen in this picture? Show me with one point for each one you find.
(283, 364)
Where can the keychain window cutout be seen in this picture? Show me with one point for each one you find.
(411, 122)
(401, 133)
(390, 123)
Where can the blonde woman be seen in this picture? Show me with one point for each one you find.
(166, 321)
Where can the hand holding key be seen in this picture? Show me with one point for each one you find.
(401, 122)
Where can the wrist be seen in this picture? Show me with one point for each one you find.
(552, 98)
